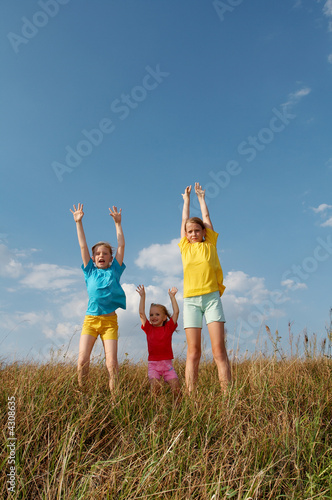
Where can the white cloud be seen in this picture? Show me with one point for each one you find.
(292, 285)
(252, 288)
(327, 223)
(327, 9)
(75, 307)
(9, 265)
(165, 259)
(50, 277)
(18, 320)
(247, 298)
(323, 210)
(295, 97)
(63, 330)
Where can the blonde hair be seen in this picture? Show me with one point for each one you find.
(102, 244)
(195, 220)
(164, 310)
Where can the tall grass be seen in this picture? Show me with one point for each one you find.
(270, 437)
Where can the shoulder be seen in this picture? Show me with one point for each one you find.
(89, 268)
(183, 243)
(170, 325)
(211, 236)
(147, 327)
(115, 266)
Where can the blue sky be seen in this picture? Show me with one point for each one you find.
(126, 103)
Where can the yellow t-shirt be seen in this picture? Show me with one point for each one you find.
(202, 271)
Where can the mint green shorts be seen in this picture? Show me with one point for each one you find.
(208, 305)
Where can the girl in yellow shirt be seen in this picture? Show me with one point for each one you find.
(202, 289)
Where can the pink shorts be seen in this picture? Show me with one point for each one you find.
(164, 368)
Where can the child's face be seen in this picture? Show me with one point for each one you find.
(194, 232)
(102, 257)
(157, 316)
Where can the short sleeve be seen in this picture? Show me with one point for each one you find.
(171, 326)
(87, 270)
(183, 243)
(211, 236)
(117, 269)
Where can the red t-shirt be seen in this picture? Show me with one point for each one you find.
(159, 340)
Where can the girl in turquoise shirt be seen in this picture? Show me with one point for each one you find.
(102, 275)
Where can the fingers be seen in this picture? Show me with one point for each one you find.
(115, 211)
(187, 191)
(198, 189)
(140, 289)
(78, 209)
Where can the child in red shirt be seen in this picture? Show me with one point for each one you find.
(159, 331)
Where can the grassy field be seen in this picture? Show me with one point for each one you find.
(270, 437)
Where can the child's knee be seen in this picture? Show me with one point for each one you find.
(112, 367)
(194, 354)
(83, 362)
(219, 355)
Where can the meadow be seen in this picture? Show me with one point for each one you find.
(269, 437)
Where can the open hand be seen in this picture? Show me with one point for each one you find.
(77, 212)
(172, 291)
(187, 192)
(141, 290)
(115, 214)
(199, 191)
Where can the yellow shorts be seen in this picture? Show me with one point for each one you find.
(105, 326)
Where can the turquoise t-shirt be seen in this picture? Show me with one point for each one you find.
(104, 289)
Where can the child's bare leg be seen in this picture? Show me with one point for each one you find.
(193, 356)
(111, 355)
(217, 336)
(85, 347)
(155, 386)
(175, 388)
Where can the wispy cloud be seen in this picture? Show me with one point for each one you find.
(292, 285)
(327, 9)
(50, 277)
(321, 208)
(327, 223)
(10, 266)
(325, 212)
(295, 97)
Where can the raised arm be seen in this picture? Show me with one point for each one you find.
(172, 292)
(78, 216)
(140, 289)
(119, 234)
(202, 203)
(185, 210)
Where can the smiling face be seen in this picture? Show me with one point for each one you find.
(102, 257)
(194, 232)
(157, 316)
